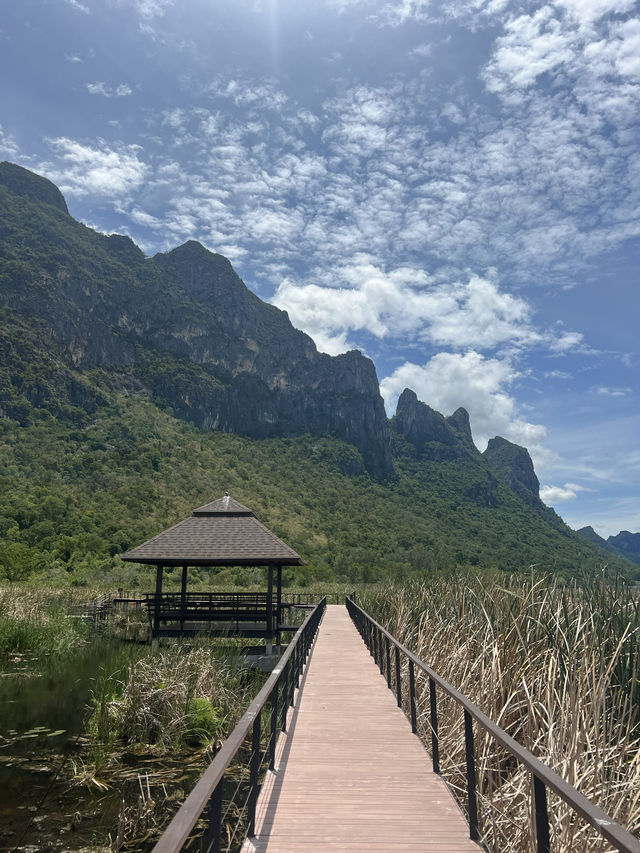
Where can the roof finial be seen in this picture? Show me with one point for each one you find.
(226, 499)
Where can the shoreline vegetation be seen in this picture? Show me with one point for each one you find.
(556, 665)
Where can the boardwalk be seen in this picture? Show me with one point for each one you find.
(350, 775)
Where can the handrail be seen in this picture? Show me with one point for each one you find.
(207, 792)
(373, 633)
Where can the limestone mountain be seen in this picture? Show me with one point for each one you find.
(180, 328)
(433, 435)
(624, 544)
(134, 388)
(512, 464)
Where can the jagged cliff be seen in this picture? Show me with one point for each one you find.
(623, 544)
(180, 327)
(101, 338)
(512, 464)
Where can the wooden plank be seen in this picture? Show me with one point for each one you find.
(349, 773)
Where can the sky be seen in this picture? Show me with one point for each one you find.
(451, 187)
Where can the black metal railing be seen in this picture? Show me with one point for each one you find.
(379, 642)
(226, 817)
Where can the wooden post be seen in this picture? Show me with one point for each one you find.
(183, 599)
(278, 607)
(158, 599)
(269, 606)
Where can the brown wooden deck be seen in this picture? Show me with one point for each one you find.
(350, 775)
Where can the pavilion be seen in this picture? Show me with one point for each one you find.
(221, 533)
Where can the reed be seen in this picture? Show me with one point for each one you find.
(38, 622)
(556, 667)
(183, 697)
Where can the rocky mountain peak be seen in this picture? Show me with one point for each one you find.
(512, 464)
(431, 433)
(460, 422)
(22, 182)
(181, 328)
(627, 544)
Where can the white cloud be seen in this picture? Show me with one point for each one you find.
(85, 170)
(586, 12)
(605, 391)
(75, 4)
(450, 380)
(8, 145)
(559, 494)
(532, 45)
(558, 374)
(566, 341)
(148, 9)
(360, 295)
(400, 11)
(617, 54)
(99, 88)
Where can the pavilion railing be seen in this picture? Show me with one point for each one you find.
(227, 794)
(381, 643)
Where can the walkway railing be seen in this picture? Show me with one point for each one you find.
(380, 643)
(225, 815)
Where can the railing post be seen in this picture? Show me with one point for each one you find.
(285, 692)
(388, 657)
(212, 836)
(412, 698)
(398, 679)
(254, 772)
(542, 816)
(274, 727)
(292, 675)
(472, 802)
(435, 743)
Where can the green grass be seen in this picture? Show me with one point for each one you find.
(37, 623)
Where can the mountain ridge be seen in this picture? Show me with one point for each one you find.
(88, 320)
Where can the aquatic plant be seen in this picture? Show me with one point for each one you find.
(38, 622)
(171, 699)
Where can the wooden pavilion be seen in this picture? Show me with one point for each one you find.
(221, 533)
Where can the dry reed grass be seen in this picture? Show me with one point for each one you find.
(156, 702)
(556, 668)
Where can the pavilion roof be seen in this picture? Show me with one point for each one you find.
(220, 533)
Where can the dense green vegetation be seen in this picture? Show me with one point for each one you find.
(75, 496)
(90, 466)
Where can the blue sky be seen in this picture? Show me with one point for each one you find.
(451, 187)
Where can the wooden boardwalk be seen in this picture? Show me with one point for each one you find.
(350, 775)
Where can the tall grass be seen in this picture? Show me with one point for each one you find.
(555, 667)
(37, 622)
(183, 697)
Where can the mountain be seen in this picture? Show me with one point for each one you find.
(134, 388)
(180, 328)
(627, 545)
(624, 544)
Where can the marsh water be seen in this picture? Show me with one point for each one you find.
(44, 710)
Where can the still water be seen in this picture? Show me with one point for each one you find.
(44, 709)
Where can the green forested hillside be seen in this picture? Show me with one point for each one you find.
(73, 497)
(134, 389)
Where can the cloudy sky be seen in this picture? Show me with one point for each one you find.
(452, 187)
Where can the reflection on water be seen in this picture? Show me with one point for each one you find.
(43, 713)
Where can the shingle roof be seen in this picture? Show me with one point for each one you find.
(221, 533)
